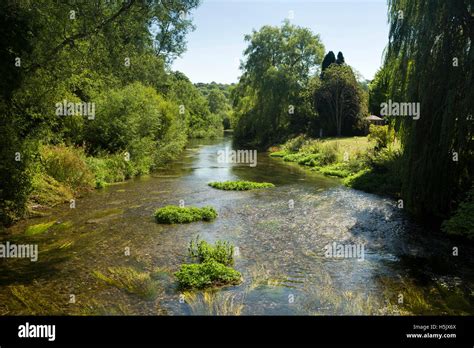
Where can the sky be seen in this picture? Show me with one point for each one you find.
(358, 28)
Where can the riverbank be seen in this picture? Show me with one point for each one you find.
(64, 173)
(356, 160)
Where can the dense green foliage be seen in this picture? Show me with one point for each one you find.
(221, 251)
(378, 91)
(207, 274)
(194, 108)
(86, 91)
(382, 135)
(172, 214)
(430, 59)
(239, 185)
(213, 268)
(338, 100)
(272, 98)
(365, 163)
(280, 93)
(462, 221)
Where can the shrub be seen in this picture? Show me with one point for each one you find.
(312, 160)
(47, 191)
(293, 157)
(109, 169)
(294, 144)
(137, 120)
(328, 153)
(172, 214)
(207, 274)
(462, 221)
(67, 165)
(222, 251)
(381, 135)
(340, 170)
(369, 180)
(240, 185)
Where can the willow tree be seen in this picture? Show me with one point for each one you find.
(430, 59)
(279, 62)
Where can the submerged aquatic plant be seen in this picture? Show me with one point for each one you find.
(39, 228)
(130, 280)
(214, 302)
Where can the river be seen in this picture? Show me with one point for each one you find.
(280, 234)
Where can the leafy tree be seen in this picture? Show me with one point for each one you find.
(338, 100)
(54, 50)
(278, 64)
(217, 101)
(329, 59)
(340, 59)
(430, 59)
(194, 107)
(378, 91)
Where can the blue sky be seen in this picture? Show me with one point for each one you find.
(357, 28)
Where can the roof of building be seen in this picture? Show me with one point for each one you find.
(374, 118)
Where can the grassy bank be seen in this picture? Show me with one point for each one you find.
(62, 173)
(367, 163)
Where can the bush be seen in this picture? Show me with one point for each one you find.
(381, 135)
(294, 144)
(15, 176)
(311, 160)
(340, 170)
(172, 214)
(207, 274)
(293, 157)
(461, 222)
(222, 252)
(328, 153)
(137, 120)
(239, 185)
(48, 192)
(369, 180)
(67, 165)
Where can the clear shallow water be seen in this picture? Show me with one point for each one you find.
(281, 250)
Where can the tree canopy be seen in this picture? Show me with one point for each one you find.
(429, 60)
(277, 69)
